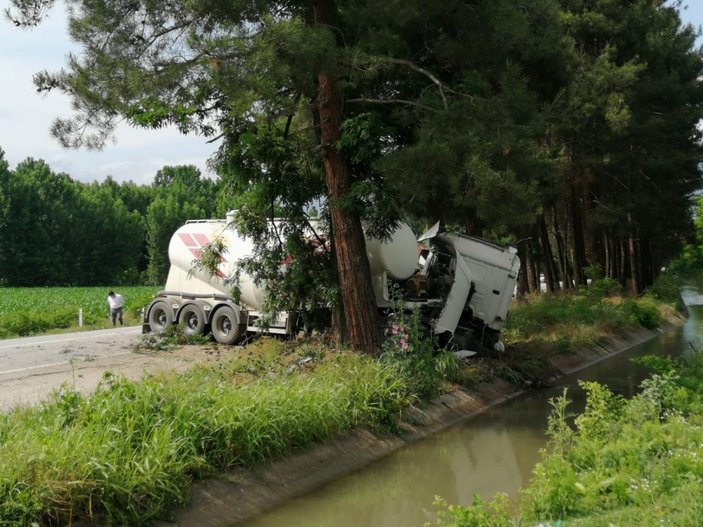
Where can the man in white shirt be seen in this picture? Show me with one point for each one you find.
(116, 302)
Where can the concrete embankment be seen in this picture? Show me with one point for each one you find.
(242, 494)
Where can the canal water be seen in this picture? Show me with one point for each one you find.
(493, 452)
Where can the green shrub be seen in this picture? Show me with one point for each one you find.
(409, 347)
(564, 322)
(31, 323)
(593, 272)
(643, 311)
(666, 288)
(636, 460)
(494, 513)
(605, 287)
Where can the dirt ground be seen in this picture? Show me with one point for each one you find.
(82, 366)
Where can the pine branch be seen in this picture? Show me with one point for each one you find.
(393, 101)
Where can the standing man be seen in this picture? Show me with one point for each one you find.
(116, 302)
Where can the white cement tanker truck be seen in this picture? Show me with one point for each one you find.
(462, 285)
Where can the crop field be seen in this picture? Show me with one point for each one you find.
(29, 311)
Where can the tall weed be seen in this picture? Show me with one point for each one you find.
(623, 459)
(562, 323)
(408, 345)
(128, 453)
(620, 462)
(643, 311)
(29, 323)
(494, 513)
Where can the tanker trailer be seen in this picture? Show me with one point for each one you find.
(200, 301)
(462, 285)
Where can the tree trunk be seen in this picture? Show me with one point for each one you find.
(530, 265)
(576, 240)
(646, 264)
(358, 301)
(549, 267)
(522, 286)
(607, 257)
(622, 267)
(563, 257)
(634, 271)
(634, 257)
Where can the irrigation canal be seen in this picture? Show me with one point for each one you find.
(494, 452)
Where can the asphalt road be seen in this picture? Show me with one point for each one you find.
(32, 367)
(22, 354)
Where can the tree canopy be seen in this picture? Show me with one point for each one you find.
(568, 127)
(56, 231)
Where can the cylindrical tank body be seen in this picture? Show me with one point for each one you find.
(397, 256)
(185, 249)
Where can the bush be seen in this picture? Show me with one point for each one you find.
(546, 312)
(628, 462)
(605, 287)
(409, 346)
(495, 513)
(666, 288)
(644, 312)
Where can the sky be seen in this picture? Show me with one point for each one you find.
(26, 116)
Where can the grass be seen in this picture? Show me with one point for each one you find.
(128, 453)
(29, 311)
(553, 324)
(541, 327)
(641, 458)
(620, 462)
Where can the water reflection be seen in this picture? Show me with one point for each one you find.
(494, 452)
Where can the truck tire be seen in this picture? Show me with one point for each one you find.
(160, 316)
(193, 319)
(225, 325)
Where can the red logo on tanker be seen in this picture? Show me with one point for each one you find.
(195, 242)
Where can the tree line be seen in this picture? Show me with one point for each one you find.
(566, 127)
(55, 231)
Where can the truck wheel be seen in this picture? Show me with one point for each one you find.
(192, 318)
(160, 316)
(225, 325)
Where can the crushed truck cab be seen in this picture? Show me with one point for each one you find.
(463, 286)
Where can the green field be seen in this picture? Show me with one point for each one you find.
(32, 310)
